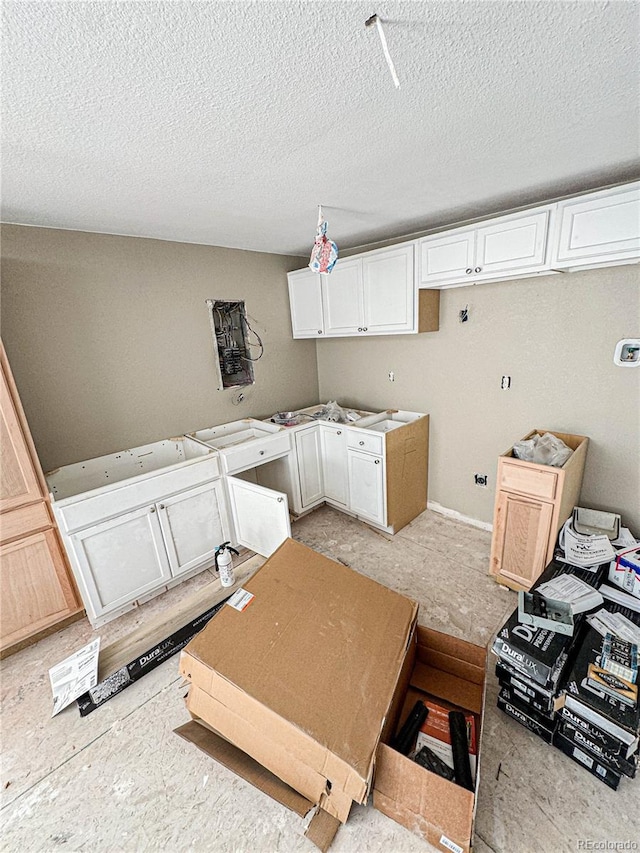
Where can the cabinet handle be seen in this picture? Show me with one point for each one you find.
(261, 453)
(478, 269)
(361, 443)
(468, 271)
(161, 506)
(366, 328)
(377, 461)
(280, 500)
(339, 432)
(153, 509)
(319, 331)
(359, 328)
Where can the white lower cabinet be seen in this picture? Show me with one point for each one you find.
(260, 516)
(120, 560)
(366, 485)
(333, 447)
(309, 456)
(194, 523)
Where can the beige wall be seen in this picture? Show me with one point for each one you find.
(110, 344)
(555, 337)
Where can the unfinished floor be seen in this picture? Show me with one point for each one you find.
(120, 780)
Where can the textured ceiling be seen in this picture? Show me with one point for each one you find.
(227, 123)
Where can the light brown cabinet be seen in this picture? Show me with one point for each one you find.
(532, 503)
(36, 588)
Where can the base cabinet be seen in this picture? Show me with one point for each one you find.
(308, 453)
(366, 486)
(193, 524)
(532, 503)
(333, 444)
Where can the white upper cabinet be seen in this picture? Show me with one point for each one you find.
(599, 229)
(388, 286)
(342, 299)
(305, 299)
(504, 247)
(370, 294)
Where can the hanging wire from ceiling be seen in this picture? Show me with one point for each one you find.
(374, 19)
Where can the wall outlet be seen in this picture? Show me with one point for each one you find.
(481, 480)
(505, 383)
(392, 376)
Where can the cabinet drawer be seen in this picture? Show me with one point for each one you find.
(141, 492)
(255, 453)
(528, 480)
(27, 519)
(369, 443)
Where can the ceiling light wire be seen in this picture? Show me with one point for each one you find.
(374, 19)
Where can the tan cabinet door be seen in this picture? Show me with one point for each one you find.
(34, 587)
(19, 483)
(521, 537)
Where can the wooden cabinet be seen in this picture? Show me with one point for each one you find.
(504, 247)
(36, 588)
(532, 503)
(599, 229)
(369, 294)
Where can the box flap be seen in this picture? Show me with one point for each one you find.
(243, 765)
(322, 829)
(312, 625)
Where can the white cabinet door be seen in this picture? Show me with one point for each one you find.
(389, 291)
(194, 523)
(260, 516)
(305, 300)
(121, 559)
(342, 298)
(366, 486)
(309, 465)
(600, 227)
(447, 257)
(513, 244)
(333, 442)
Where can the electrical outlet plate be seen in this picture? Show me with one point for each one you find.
(481, 480)
(627, 353)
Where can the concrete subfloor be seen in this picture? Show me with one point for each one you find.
(121, 780)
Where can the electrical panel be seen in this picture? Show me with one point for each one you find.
(234, 351)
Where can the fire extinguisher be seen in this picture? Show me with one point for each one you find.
(224, 563)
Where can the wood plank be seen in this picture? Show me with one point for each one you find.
(123, 651)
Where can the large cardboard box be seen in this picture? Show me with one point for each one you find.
(302, 678)
(440, 811)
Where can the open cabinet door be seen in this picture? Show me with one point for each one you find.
(260, 516)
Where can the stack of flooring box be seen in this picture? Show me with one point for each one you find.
(545, 684)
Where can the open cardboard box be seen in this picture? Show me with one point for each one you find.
(301, 678)
(440, 811)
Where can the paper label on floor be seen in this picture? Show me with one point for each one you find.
(241, 599)
(451, 845)
(74, 676)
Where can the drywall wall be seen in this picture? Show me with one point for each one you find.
(555, 336)
(110, 343)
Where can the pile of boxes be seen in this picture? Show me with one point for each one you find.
(559, 683)
(304, 677)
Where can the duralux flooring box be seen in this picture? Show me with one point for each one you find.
(301, 673)
(440, 811)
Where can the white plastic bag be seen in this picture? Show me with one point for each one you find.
(545, 449)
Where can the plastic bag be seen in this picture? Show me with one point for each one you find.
(325, 252)
(545, 449)
(335, 413)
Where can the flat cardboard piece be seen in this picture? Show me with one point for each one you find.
(244, 766)
(313, 662)
(322, 829)
(430, 806)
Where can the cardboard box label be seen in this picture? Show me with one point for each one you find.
(240, 599)
(451, 845)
